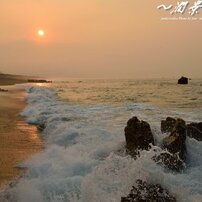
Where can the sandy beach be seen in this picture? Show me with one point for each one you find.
(18, 140)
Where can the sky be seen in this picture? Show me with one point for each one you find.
(98, 39)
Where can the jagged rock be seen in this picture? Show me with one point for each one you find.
(194, 130)
(183, 80)
(138, 136)
(175, 145)
(167, 125)
(170, 161)
(175, 142)
(144, 192)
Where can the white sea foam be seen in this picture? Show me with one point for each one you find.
(80, 161)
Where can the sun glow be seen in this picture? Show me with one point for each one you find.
(41, 33)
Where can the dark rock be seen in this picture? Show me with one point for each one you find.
(175, 145)
(38, 81)
(3, 90)
(144, 192)
(167, 125)
(41, 126)
(183, 80)
(170, 161)
(138, 136)
(194, 130)
(175, 142)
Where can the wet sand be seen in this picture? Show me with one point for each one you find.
(18, 140)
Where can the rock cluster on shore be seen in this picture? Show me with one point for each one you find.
(38, 81)
(139, 136)
(3, 90)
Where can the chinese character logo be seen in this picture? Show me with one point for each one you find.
(195, 9)
(181, 7)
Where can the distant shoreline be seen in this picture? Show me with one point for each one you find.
(10, 79)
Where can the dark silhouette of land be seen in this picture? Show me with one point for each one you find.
(9, 79)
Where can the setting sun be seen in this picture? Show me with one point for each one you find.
(41, 32)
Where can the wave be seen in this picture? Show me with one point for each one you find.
(81, 162)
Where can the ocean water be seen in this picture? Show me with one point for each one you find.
(84, 159)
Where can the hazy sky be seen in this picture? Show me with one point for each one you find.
(97, 38)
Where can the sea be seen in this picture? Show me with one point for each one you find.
(83, 123)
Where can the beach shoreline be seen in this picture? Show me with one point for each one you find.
(18, 139)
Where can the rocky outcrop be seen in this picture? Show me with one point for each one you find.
(38, 81)
(3, 90)
(194, 130)
(138, 136)
(175, 142)
(148, 193)
(183, 80)
(167, 125)
(174, 159)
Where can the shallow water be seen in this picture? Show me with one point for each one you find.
(84, 128)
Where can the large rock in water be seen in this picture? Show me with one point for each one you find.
(138, 136)
(183, 80)
(175, 142)
(168, 125)
(145, 192)
(194, 130)
(175, 145)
